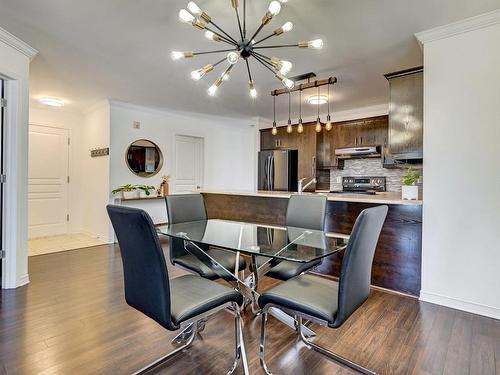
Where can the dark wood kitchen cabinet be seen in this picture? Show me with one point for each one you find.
(406, 114)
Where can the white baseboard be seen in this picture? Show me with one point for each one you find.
(23, 280)
(102, 237)
(454, 303)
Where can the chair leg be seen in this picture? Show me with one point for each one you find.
(168, 356)
(331, 355)
(239, 344)
(262, 350)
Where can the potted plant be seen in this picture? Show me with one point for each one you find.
(144, 190)
(409, 189)
(127, 191)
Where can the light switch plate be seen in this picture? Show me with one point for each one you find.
(339, 179)
(137, 125)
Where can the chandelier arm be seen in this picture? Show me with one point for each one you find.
(222, 37)
(261, 55)
(257, 31)
(217, 51)
(248, 70)
(218, 62)
(263, 39)
(244, 19)
(223, 32)
(266, 62)
(263, 63)
(279, 46)
(239, 24)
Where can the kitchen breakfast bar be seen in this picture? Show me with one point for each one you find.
(397, 262)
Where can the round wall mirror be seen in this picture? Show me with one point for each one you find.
(144, 158)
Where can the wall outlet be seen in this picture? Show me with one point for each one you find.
(339, 179)
(136, 125)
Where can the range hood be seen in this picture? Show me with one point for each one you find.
(358, 152)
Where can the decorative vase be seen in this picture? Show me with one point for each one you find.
(164, 189)
(409, 192)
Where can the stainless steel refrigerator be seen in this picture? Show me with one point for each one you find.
(278, 170)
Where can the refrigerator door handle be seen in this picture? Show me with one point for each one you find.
(272, 172)
(268, 172)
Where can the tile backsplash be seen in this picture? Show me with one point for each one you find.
(369, 168)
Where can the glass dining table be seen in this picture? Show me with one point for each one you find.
(265, 245)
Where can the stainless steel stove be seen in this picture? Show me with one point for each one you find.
(362, 185)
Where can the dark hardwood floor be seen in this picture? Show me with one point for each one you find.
(72, 319)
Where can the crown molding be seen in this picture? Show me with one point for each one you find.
(17, 44)
(459, 27)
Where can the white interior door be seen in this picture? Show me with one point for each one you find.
(48, 181)
(188, 161)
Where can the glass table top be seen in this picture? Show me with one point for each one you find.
(289, 243)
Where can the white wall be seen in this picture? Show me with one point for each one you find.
(229, 145)
(74, 122)
(14, 66)
(461, 220)
(96, 173)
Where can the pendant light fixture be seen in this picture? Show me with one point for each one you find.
(328, 125)
(300, 128)
(275, 129)
(318, 120)
(242, 46)
(289, 128)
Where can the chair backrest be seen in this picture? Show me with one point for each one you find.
(144, 268)
(185, 207)
(306, 211)
(355, 275)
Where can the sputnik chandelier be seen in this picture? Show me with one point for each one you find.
(242, 46)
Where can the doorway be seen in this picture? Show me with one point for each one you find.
(2, 175)
(188, 164)
(48, 179)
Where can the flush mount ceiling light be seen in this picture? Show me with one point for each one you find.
(53, 102)
(243, 47)
(317, 99)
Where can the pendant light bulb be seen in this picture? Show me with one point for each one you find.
(300, 128)
(274, 131)
(328, 125)
(289, 128)
(318, 125)
(185, 16)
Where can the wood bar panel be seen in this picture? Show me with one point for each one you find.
(397, 262)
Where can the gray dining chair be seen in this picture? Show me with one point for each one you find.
(303, 211)
(175, 303)
(325, 301)
(191, 207)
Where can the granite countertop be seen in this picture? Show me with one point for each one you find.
(380, 198)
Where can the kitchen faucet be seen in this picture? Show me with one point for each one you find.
(302, 187)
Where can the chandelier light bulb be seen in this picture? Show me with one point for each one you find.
(288, 26)
(283, 1)
(225, 77)
(315, 44)
(193, 8)
(185, 16)
(176, 55)
(289, 84)
(253, 91)
(210, 35)
(212, 90)
(274, 8)
(199, 73)
(286, 67)
(233, 57)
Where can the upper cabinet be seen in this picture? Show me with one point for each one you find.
(406, 114)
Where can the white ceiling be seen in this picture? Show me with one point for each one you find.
(119, 49)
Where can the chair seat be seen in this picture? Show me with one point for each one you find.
(309, 294)
(285, 270)
(225, 258)
(192, 295)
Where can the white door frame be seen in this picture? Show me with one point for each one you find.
(68, 185)
(202, 153)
